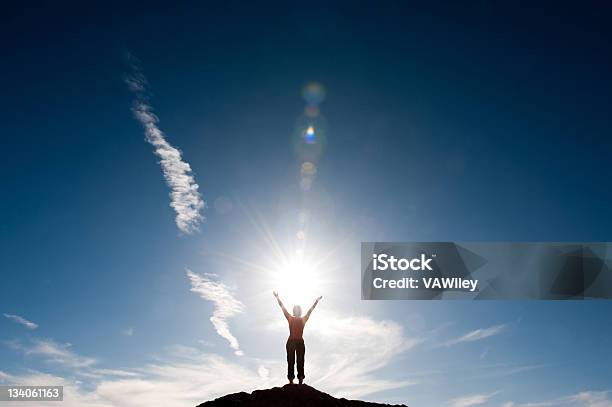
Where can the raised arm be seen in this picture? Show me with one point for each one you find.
(287, 315)
(312, 308)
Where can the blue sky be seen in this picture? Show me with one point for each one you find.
(440, 122)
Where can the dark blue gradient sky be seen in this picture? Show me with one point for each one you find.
(446, 121)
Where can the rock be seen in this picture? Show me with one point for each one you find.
(290, 395)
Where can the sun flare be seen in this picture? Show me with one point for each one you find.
(296, 282)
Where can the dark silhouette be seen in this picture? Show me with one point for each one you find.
(287, 396)
(295, 343)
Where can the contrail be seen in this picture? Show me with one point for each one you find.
(185, 198)
(226, 305)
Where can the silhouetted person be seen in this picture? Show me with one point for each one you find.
(295, 343)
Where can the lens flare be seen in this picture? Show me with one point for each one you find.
(311, 110)
(310, 137)
(308, 169)
(306, 184)
(313, 93)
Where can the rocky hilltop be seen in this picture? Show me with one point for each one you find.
(290, 395)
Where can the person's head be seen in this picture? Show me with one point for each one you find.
(297, 311)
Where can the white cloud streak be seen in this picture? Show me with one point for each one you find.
(22, 321)
(74, 395)
(185, 198)
(345, 353)
(54, 353)
(225, 305)
(477, 335)
(186, 376)
(582, 399)
(591, 399)
(471, 400)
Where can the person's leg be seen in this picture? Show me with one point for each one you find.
(290, 360)
(300, 350)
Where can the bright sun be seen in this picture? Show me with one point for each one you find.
(296, 283)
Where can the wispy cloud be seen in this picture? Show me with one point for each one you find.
(61, 356)
(582, 399)
(342, 365)
(74, 394)
(182, 376)
(188, 376)
(477, 335)
(471, 400)
(592, 399)
(53, 352)
(22, 321)
(349, 351)
(226, 305)
(185, 376)
(185, 198)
